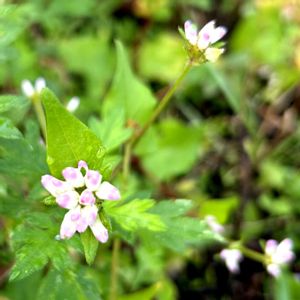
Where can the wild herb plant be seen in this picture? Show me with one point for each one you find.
(81, 200)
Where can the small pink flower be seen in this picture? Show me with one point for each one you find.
(79, 194)
(232, 258)
(278, 255)
(205, 38)
(213, 224)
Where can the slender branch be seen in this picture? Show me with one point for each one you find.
(126, 171)
(36, 101)
(126, 164)
(162, 104)
(252, 254)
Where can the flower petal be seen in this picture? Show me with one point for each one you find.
(73, 176)
(190, 30)
(274, 270)
(27, 88)
(68, 227)
(217, 34)
(271, 246)
(75, 213)
(82, 164)
(205, 34)
(99, 231)
(40, 83)
(92, 179)
(68, 199)
(284, 253)
(87, 197)
(107, 191)
(54, 186)
(81, 224)
(232, 258)
(212, 54)
(89, 213)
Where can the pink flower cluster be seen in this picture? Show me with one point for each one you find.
(206, 37)
(78, 194)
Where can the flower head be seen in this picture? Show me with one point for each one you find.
(232, 258)
(201, 42)
(278, 255)
(79, 194)
(29, 90)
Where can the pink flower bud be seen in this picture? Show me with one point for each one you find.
(87, 198)
(68, 227)
(68, 199)
(54, 186)
(99, 231)
(73, 176)
(92, 180)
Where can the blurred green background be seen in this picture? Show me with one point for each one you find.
(229, 140)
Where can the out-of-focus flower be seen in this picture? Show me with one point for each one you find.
(79, 193)
(29, 90)
(232, 258)
(201, 43)
(278, 255)
(213, 224)
(73, 104)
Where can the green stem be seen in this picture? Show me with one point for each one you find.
(162, 104)
(114, 270)
(126, 164)
(126, 170)
(251, 253)
(117, 243)
(39, 113)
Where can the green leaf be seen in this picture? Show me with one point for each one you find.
(128, 93)
(24, 156)
(286, 287)
(90, 245)
(134, 215)
(181, 231)
(7, 130)
(167, 57)
(68, 139)
(160, 146)
(13, 107)
(111, 130)
(96, 53)
(68, 286)
(35, 244)
(220, 208)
